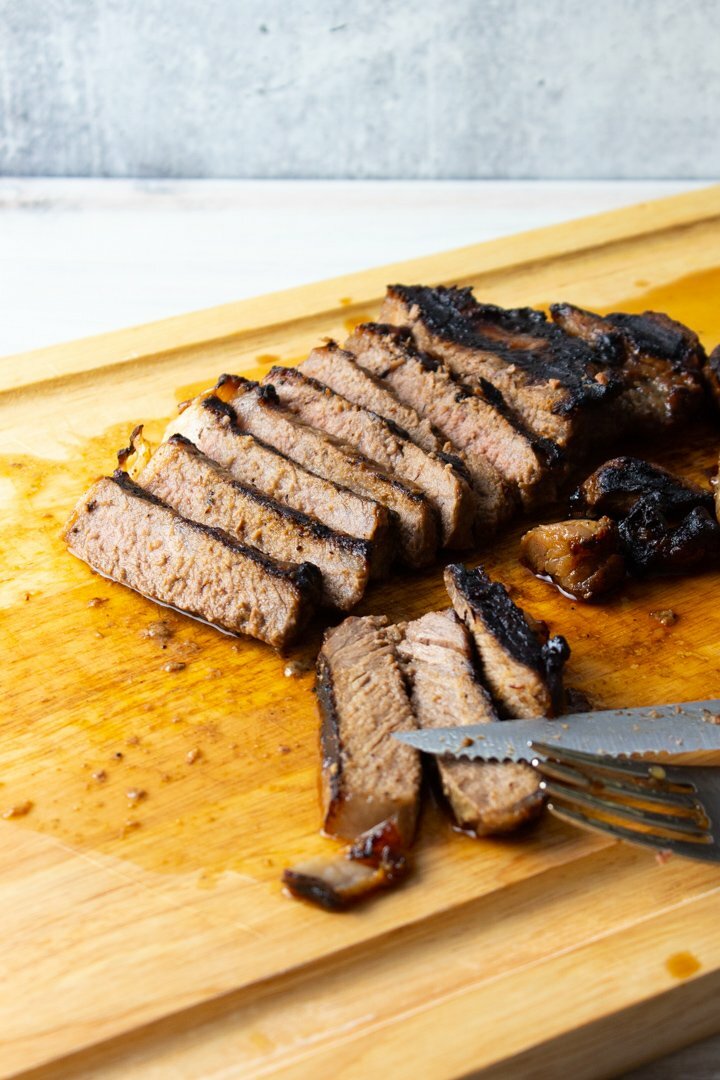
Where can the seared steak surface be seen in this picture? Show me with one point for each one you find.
(367, 776)
(582, 557)
(484, 798)
(616, 486)
(200, 489)
(130, 536)
(522, 668)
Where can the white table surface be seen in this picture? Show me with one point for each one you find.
(80, 257)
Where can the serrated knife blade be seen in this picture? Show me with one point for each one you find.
(649, 731)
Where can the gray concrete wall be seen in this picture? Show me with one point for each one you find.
(342, 88)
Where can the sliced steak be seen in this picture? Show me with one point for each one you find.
(522, 668)
(367, 776)
(661, 361)
(339, 370)
(554, 382)
(200, 489)
(384, 443)
(616, 486)
(655, 540)
(445, 691)
(260, 414)
(582, 557)
(477, 422)
(212, 426)
(711, 375)
(132, 537)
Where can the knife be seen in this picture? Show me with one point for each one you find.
(652, 730)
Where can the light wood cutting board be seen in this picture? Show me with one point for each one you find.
(156, 776)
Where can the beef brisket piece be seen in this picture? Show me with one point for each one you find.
(367, 776)
(616, 486)
(211, 425)
(200, 489)
(661, 361)
(582, 557)
(339, 370)
(711, 375)
(376, 860)
(477, 422)
(260, 413)
(553, 381)
(521, 667)
(382, 442)
(132, 537)
(438, 658)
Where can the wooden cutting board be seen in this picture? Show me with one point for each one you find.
(156, 776)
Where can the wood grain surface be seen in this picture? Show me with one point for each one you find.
(156, 776)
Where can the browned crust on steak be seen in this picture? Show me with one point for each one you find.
(367, 776)
(212, 426)
(260, 413)
(339, 370)
(485, 798)
(129, 535)
(521, 667)
(711, 375)
(582, 557)
(383, 442)
(200, 489)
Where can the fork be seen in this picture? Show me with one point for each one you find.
(674, 808)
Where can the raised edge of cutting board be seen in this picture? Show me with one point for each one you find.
(513, 959)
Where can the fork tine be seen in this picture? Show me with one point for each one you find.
(688, 826)
(654, 796)
(705, 850)
(619, 769)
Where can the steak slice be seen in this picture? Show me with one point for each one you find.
(657, 541)
(367, 776)
(661, 361)
(553, 381)
(711, 375)
(616, 486)
(200, 489)
(522, 668)
(260, 414)
(132, 537)
(582, 557)
(488, 797)
(339, 370)
(477, 422)
(212, 426)
(384, 443)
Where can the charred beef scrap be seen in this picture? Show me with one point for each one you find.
(661, 361)
(367, 776)
(555, 383)
(132, 537)
(582, 557)
(212, 426)
(339, 370)
(384, 443)
(666, 525)
(485, 798)
(519, 664)
(200, 489)
(711, 375)
(376, 860)
(260, 414)
(475, 421)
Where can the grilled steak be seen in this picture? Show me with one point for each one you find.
(260, 413)
(132, 537)
(367, 777)
(553, 381)
(477, 422)
(212, 426)
(339, 370)
(522, 668)
(616, 486)
(484, 798)
(382, 442)
(711, 375)
(200, 489)
(661, 361)
(582, 557)
(376, 860)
